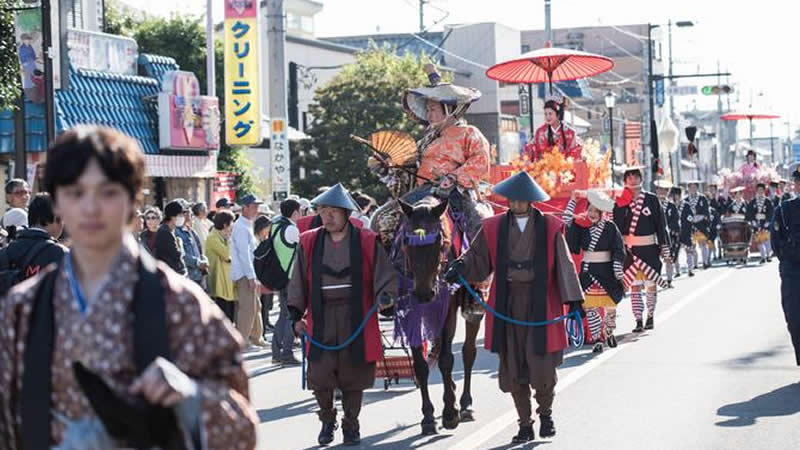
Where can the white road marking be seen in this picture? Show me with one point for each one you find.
(480, 437)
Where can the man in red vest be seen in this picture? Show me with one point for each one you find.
(340, 272)
(534, 277)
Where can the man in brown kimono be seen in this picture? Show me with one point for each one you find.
(534, 277)
(147, 340)
(341, 270)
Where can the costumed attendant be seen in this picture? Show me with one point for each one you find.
(453, 156)
(640, 219)
(601, 271)
(554, 133)
(672, 214)
(662, 191)
(738, 206)
(534, 277)
(786, 242)
(759, 214)
(340, 272)
(695, 220)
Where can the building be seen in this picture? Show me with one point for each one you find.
(146, 96)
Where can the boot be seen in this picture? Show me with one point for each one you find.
(649, 324)
(611, 341)
(598, 348)
(525, 434)
(691, 273)
(546, 427)
(639, 326)
(326, 434)
(351, 437)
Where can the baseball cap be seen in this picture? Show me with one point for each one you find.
(224, 202)
(250, 199)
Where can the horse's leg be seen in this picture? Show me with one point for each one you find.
(421, 373)
(468, 353)
(450, 417)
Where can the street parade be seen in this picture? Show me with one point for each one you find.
(392, 240)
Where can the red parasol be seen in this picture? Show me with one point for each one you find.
(550, 64)
(748, 115)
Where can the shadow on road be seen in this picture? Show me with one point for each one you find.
(754, 357)
(300, 407)
(374, 441)
(529, 445)
(783, 401)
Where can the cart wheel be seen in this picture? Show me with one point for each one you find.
(386, 384)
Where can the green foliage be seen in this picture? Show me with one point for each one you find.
(118, 19)
(364, 97)
(10, 83)
(183, 38)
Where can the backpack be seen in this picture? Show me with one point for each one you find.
(266, 263)
(12, 273)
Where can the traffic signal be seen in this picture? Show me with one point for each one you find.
(717, 90)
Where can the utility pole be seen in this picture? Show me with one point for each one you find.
(671, 98)
(20, 159)
(49, 90)
(720, 134)
(421, 16)
(210, 69)
(651, 126)
(548, 30)
(279, 151)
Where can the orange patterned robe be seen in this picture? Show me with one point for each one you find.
(460, 150)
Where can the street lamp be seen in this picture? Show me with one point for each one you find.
(611, 100)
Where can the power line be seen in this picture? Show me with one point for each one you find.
(461, 58)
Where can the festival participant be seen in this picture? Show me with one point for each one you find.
(108, 335)
(672, 215)
(533, 278)
(775, 193)
(750, 166)
(786, 242)
(759, 214)
(555, 133)
(339, 274)
(639, 217)
(786, 195)
(453, 156)
(738, 205)
(601, 271)
(695, 223)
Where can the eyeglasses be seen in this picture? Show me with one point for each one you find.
(22, 192)
(151, 217)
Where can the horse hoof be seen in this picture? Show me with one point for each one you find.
(450, 419)
(467, 415)
(428, 428)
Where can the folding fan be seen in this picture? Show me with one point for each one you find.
(398, 147)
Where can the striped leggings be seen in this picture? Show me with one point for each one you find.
(636, 299)
(599, 318)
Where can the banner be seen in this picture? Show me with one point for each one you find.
(29, 37)
(102, 52)
(279, 148)
(186, 119)
(242, 105)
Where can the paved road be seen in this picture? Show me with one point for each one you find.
(717, 372)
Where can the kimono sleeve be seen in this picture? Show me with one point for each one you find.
(207, 348)
(477, 262)
(568, 284)
(476, 163)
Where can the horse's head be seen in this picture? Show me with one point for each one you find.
(424, 239)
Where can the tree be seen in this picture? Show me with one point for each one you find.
(10, 85)
(184, 39)
(364, 97)
(118, 19)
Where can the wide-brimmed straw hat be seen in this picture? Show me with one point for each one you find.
(458, 97)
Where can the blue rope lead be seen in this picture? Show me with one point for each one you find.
(574, 321)
(331, 348)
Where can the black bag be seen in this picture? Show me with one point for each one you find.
(266, 263)
(12, 273)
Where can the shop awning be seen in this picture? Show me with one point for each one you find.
(180, 166)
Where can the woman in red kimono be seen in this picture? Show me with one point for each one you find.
(554, 133)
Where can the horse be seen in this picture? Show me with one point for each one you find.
(420, 246)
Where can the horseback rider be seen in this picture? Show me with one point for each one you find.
(452, 156)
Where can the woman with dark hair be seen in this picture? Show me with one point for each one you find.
(109, 324)
(554, 133)
(220, 285)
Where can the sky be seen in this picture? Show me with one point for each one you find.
(755, 44)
